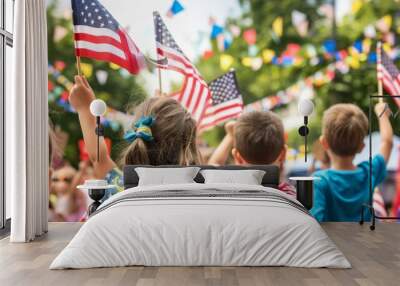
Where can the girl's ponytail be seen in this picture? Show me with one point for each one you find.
(163, 134)
(189, 152)
(136, 152)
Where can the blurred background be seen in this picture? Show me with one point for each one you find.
(281, 50)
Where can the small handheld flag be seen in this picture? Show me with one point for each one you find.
(388, 74)
(99, 36)
(226, 101)
(195, 93)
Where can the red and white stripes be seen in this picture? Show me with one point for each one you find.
(106, 45)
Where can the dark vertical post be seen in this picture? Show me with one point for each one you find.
(305, 137)
(98, 133)
(371, 207)
(370, 150)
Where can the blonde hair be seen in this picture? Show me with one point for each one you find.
(344, 127)
(174, 133)
(259, 137)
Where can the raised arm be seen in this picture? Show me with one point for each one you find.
(223, 150)
(81, 95)
(385, 128)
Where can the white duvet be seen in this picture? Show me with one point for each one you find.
(188, 231)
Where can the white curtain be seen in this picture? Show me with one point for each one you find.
(27, 123)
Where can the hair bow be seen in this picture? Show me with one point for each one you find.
(142, 130)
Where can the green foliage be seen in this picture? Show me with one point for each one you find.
(120, 91)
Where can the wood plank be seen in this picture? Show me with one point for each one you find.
(375, 257)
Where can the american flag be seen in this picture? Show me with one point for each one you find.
(195, 93)
(388, 74)
(226, 101)
(99, 36)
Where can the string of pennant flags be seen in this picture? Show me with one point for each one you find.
(299, 22)
(302, 88)
(341, 60)
(297, 55)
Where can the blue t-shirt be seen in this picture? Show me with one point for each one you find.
(339, 194)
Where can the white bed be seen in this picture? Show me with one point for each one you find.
(203, 225)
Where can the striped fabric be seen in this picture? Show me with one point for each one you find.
(388, 74)
(99, 36)
(226, 101)
(378, 204)
(195, 93)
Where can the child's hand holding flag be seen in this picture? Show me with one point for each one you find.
(81, 94)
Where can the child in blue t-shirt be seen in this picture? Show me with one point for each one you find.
(342, 189)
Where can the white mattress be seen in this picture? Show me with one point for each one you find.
(190, 231)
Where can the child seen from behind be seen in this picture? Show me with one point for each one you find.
(344, 187)
(163, 133)
(257, 138)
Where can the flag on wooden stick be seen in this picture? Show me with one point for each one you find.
(99, 36)
(226, 101)
(195, 93)
(388, 74)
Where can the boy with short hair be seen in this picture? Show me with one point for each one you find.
(342, 189)
(257, 138)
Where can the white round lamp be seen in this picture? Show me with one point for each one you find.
(98, 107)
(305, 107)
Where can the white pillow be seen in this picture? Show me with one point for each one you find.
(166, 176)
(247, 177)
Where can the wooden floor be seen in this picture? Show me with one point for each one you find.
(375, 257)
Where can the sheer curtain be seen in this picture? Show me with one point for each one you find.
(27, 123)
